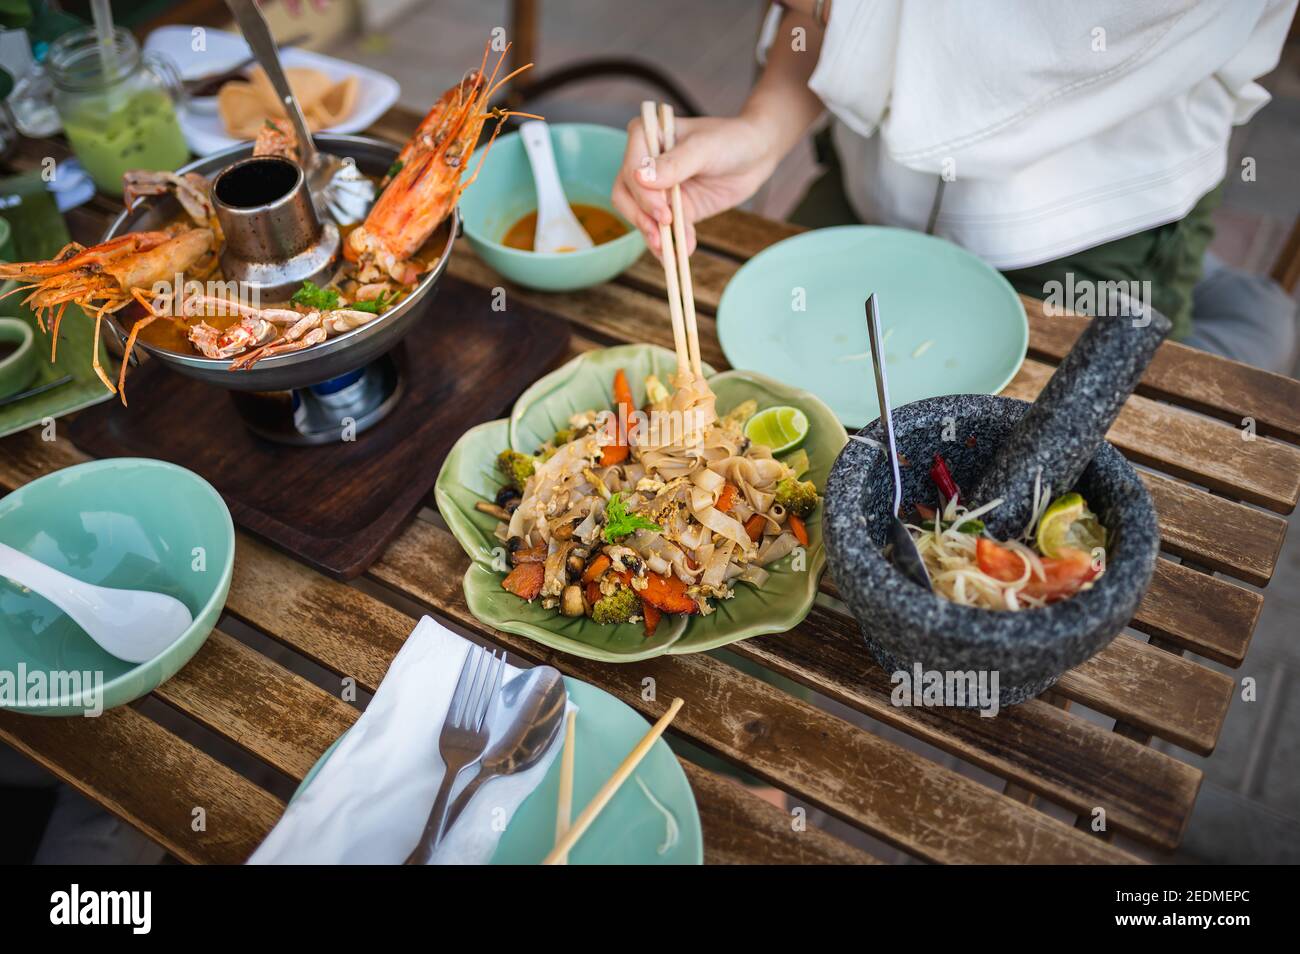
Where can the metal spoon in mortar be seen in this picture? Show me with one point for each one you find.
(525, 720)
(902, 547)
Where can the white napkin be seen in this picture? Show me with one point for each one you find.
(368, 804)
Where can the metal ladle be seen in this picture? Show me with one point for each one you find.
(337, 187)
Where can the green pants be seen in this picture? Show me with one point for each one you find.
(1168, 256)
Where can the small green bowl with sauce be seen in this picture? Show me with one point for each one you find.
(18, 359)
(588, 157)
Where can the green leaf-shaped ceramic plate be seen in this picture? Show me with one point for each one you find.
(469, 475)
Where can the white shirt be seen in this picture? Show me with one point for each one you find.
(1058, 125)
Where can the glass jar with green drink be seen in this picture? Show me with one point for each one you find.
(118, 107)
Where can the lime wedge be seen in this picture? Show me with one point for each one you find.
(1068, 524)
(781, 428)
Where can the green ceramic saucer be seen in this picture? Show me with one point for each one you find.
(952, 324)
(121, 522)
(469, 475)
(631, 830)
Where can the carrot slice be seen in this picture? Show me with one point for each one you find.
(525, 580)
(596, 568)
(535, 554)
(754, 526)
(799, 530)
(623, 391)
(726, 498)
(593, 593)
(612, 454)
(667, 593)
(624, 406)
(652, 616)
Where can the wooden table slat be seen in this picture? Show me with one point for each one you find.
(1184, 444)
(265, 709)
(1068, 760)
(1219, 534)
(151, 779)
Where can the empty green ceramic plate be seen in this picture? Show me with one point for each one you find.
(122, 522)
(469, 475)
(951, 323)
(633, 829)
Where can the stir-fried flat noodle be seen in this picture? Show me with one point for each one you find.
(673, 476)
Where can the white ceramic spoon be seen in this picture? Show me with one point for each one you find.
(134, 625)
(558, 229)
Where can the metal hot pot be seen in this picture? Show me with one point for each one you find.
(312, 389)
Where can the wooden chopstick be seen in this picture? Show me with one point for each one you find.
(607, 791)
(650, 126)
(687, 285)
(564, 815)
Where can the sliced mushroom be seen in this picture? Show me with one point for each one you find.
(492, 510)
(572, 602)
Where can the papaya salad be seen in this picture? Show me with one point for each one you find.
(620, 520)
(1060, 552)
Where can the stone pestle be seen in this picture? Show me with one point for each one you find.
(1063, 428)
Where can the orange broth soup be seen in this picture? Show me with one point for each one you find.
(601, 224)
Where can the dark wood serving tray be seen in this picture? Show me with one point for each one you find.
(337, 506)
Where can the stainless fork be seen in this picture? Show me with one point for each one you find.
(463, 740)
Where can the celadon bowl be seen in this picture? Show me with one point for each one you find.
(469, 475)
(588, 157)
(120, 522)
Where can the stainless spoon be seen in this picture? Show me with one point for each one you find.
(902, 547)
(526, 718)
(335, 184)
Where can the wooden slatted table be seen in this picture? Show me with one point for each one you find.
(1218, 495)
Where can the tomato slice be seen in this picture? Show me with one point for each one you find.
(1065, 574)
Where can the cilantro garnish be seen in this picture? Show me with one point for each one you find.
(310, 295)
(619, 523)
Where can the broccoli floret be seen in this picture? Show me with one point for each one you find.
(516, 467)
(798, 497)
(564, 435)
(618, 607)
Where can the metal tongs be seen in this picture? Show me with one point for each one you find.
(337, 186)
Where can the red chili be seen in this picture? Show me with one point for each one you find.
(942, 478)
